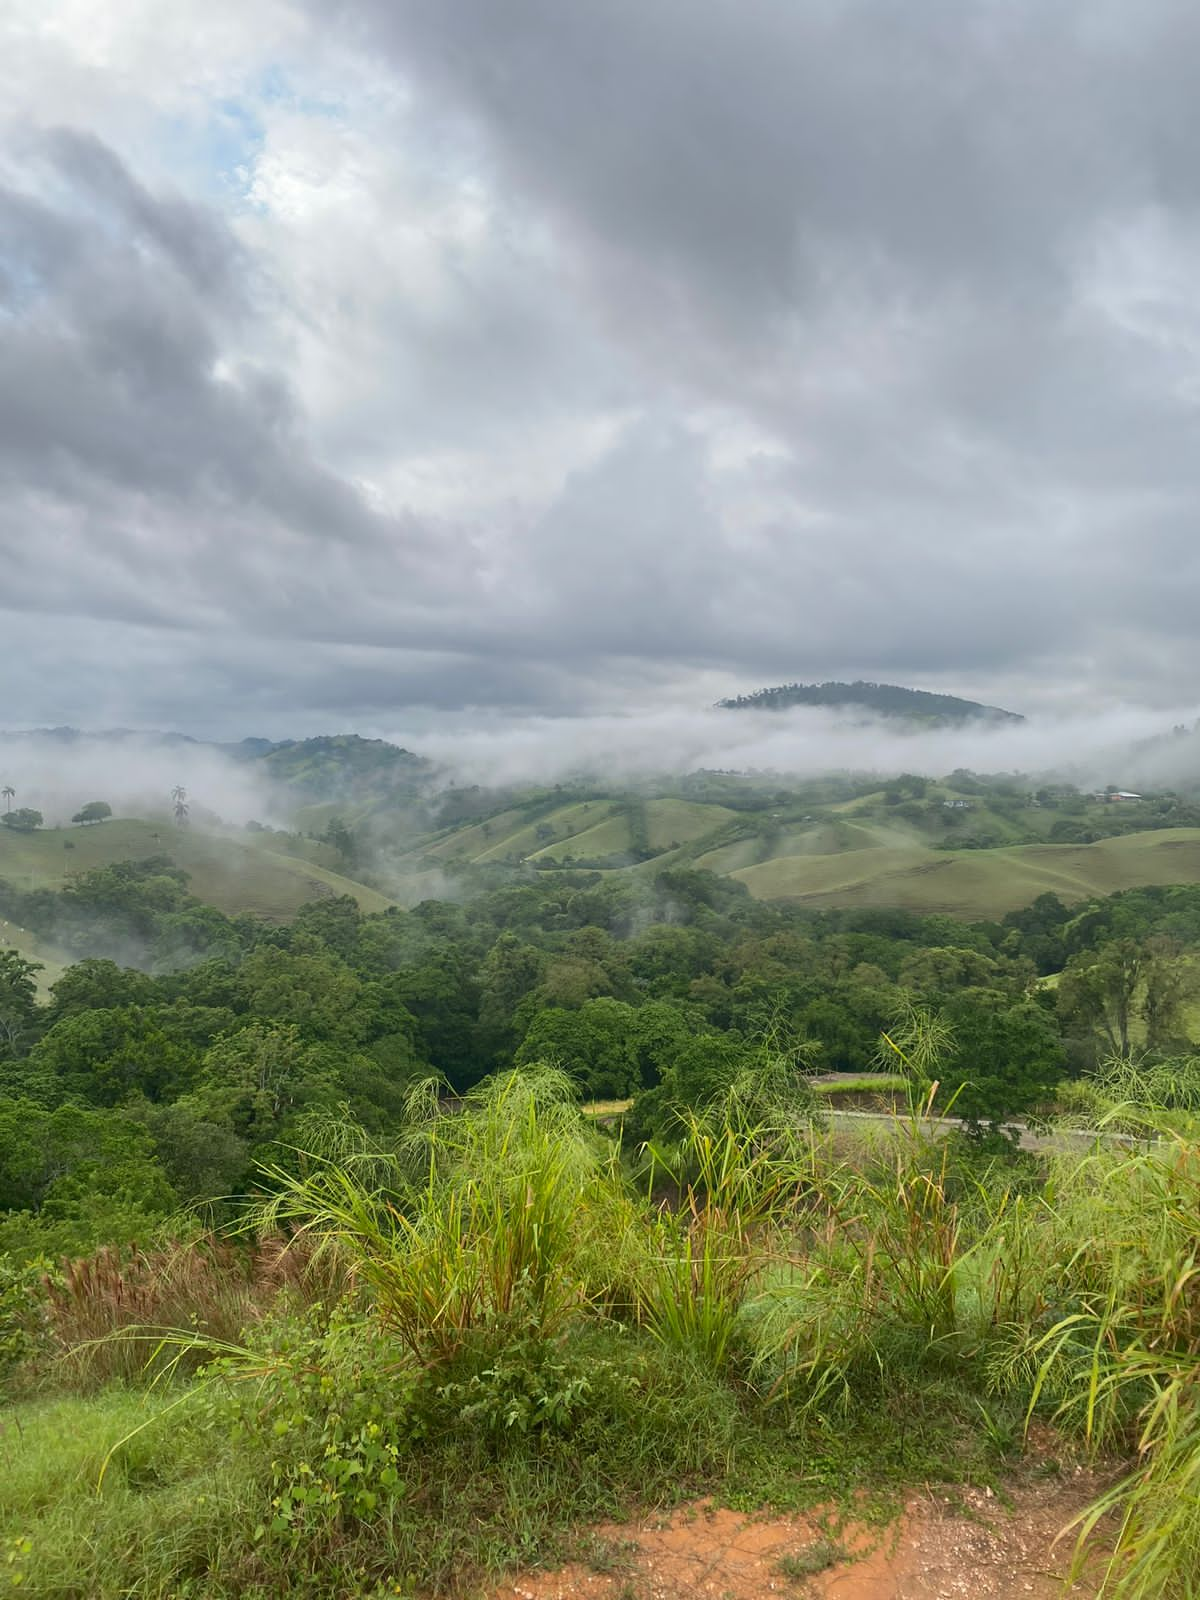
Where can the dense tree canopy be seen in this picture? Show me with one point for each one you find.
(184, 1045)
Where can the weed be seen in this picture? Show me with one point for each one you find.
(811, 1559)
(606, 1555)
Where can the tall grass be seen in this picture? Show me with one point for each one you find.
(508, 1214)
(1122, 1361)
(130, 1314)
(515, 1302)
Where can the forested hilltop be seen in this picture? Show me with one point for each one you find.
(882, 699)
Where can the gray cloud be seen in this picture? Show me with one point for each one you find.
(113, 399)
(543, 358)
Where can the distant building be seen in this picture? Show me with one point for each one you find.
(1109, 795)
(957, 805)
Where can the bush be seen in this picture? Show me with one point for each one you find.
(24, 1291)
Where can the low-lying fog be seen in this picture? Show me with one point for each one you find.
(136, 773)
(1089, 750)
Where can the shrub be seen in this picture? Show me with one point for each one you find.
(24, 1290)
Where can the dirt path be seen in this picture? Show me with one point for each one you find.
(965, 1544)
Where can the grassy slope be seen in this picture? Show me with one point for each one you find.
(232, 871)
(53, 962)
(852, 855)
(608, 835)
(590, 828)
(682, 821)
(978, 883)
(857, 852)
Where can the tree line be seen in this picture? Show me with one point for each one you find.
(186, 1046)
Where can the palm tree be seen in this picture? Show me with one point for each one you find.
(9, 794)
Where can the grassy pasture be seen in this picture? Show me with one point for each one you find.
(977, 883)
(234, 872)
(607, 835)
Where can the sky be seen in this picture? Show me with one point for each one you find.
(404, 366)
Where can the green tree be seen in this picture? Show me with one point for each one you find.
(24, 820)
(202, 1159)
(1097, 991)
(939, 971)
(310, 989)
(42, 1151)
(95, 984)
(1005, 1060)
(254, 1079)
(18, 999)
(1168, 983)
(594, 1043)
(107, 1056)
(94, 811)
(336, 920)
(701, 1069)
(510, 970)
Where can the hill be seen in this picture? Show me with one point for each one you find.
(331, 768)
(976, 883)
(969, 845)
(339, 767)
(233, 871)
(962, 847)
(880, 699)
(52, 961)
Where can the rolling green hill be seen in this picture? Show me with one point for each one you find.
(977, 883)
(969, 854)
(610, 830)
(233, 871)
(967, 844)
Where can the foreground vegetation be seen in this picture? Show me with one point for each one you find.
(165, 1078)
(448, 1350)
(318, 1276)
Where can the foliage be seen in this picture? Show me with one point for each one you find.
(23, 820)
(94, 811)
(507, 1311)
(494, 1294)
(473, 1225)
(122, 1314)
(23, 1292)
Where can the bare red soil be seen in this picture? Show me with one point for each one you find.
(960, 1544)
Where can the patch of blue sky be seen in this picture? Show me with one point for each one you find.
(275, 86)
(213, 155)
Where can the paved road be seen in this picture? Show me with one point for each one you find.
(1029, 1138)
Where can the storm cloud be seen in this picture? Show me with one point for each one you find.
(369, 362)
